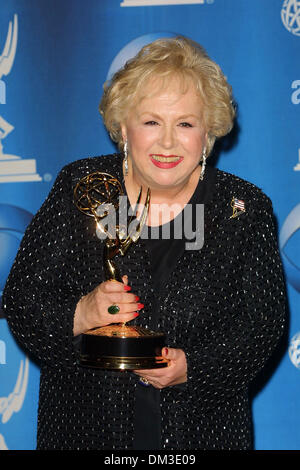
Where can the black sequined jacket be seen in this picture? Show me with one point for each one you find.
(224, 305)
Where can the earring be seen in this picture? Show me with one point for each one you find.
(203, 164)
(125, 158)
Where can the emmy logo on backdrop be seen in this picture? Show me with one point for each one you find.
(13, 403)
(12, 168)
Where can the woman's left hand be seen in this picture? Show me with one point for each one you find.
(174, 374)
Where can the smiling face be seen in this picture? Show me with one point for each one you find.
(166, 135)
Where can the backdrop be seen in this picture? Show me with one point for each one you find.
(54, 58)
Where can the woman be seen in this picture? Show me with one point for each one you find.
(221, 305)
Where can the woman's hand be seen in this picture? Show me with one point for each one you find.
(174, 374)
(91, 310)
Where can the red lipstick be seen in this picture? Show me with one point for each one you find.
(165, 161)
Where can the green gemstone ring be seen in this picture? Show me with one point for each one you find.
(113, 309)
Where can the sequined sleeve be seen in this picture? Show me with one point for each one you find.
(237, 347)
(38, 300)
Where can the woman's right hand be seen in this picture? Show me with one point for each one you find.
(91, 310)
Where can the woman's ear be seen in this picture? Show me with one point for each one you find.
(123, 132)
(206, 139)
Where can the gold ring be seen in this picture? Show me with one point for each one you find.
(144, 382)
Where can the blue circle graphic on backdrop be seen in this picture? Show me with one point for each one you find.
(13, 222)
(132, 48)
(14, 369)
(290, 227)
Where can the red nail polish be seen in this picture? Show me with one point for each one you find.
(136, 315)
(166, 351)
(140, 306)
(127, 288)
(137, 298)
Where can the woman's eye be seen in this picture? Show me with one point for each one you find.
(185, 124)
(150, 123)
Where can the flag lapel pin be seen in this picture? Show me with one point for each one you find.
(238, 207)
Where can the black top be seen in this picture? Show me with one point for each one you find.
(164, 254)
(234, 290)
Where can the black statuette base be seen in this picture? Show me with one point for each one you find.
(122, 347)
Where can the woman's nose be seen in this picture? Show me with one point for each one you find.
(167, 137)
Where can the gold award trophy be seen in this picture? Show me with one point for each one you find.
(118, 345)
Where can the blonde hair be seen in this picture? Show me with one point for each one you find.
(164, 59)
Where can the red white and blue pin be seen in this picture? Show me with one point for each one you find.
(238, 207)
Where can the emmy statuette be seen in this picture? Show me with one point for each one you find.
(118, 345)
